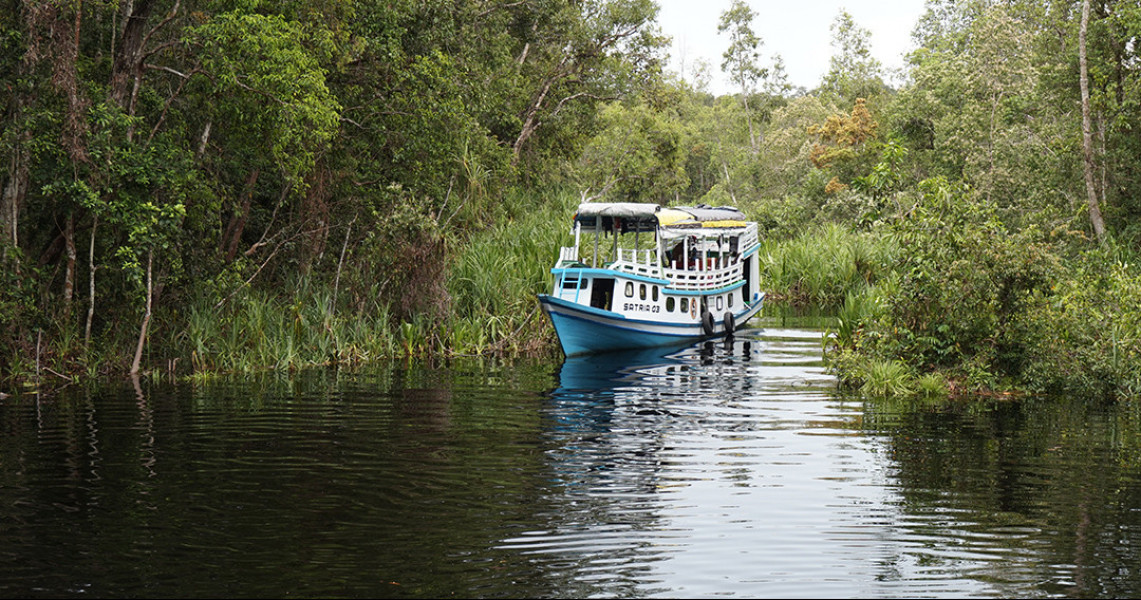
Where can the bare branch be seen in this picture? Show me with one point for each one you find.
(351, 122)
(559, 106)
(160, 48)
(161, 24)
(170, 100)
(170, 70)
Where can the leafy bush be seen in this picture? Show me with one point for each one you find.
(973, 306)
(965, 281)
(960, 302)
(1086, 337)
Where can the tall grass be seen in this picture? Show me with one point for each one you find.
(493, 279)
(824, 264)
(496, 277)
(259, 331)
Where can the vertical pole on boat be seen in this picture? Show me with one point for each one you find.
(597, 233)
(637, 230)
(614, 251)
(577, 237)
(658, 246)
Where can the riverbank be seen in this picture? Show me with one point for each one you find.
(968, 309)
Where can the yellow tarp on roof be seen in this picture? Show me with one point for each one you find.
(673, 216)
(723, 224)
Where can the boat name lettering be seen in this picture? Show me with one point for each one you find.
(631, 306)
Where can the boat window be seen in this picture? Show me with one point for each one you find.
(685, 305)
(730, 300)
(642, 291)
(720, 302)
(629, 289)
(655, 293)
(570, 283)
(669, 303)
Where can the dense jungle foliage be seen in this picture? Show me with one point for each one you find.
(193, 186)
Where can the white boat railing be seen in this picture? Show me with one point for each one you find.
(749, 237)
(638, 262)
(568, 254)
(710, 278)
(715, 272)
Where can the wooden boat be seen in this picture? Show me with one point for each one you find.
(651, 276)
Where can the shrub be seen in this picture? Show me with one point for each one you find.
(963, 289)
(1085, 338)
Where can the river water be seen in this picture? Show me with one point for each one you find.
(731, 469)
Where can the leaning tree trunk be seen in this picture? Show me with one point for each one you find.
(69, 270)
(1087, 129)
(90, 283)
(146, 316)
(531, 119)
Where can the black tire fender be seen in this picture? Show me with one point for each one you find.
(707, 322)
(730, 323)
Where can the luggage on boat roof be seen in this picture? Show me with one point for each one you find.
(644, 216)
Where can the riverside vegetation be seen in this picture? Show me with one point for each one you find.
(193, 187)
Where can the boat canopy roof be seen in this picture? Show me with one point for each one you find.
(617, 209)
(625, 217)
(629, 217)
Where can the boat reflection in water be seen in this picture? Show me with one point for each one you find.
(646, 381)
(593, 373)
(618, 427)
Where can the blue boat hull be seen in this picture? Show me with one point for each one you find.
(585, 330)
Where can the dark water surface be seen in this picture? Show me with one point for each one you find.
(720, 470)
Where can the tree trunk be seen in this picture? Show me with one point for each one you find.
(90, 283)
(1087, 129)
(749, 120)
(146, 316)
(15, 190)
(69, 270)
(530, 121)
(128, 64)
(237, 224)
(16, 187)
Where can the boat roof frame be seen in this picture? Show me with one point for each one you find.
(635, 217)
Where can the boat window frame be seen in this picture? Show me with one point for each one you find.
(568, 283)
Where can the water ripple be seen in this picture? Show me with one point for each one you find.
(730, 468)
